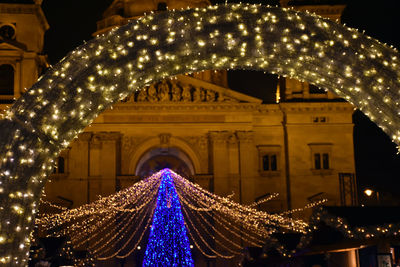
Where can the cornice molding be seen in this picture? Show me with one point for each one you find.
(184, 106)
(34, 9)
(320, 107)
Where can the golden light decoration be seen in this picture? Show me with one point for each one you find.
(368, 192)
(100, 72)
(114, 226)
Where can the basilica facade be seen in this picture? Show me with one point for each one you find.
(228, 142)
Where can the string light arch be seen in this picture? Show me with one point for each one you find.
(100, 72)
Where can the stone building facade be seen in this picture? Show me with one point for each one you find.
(301, 148)
(22, 28)
(224, 140)
(221, 139)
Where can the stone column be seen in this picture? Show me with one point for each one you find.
(223, 149)
(18, 89)
(78, 168)
(104, 162)
(247, 165)
(233, 163)
(93, 182)
(219, 161)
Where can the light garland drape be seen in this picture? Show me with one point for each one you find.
(95, 75)
(114, 226)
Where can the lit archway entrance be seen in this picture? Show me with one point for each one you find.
(95, 75)
(157, 159)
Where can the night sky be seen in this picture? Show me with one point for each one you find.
(378, 165)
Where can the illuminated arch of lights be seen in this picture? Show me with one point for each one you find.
(100, 72)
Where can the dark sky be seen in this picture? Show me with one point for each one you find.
(72, 21)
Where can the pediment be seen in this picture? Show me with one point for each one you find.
(12, 45)
(186, 89)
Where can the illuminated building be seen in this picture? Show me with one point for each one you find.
(22, 28)
(222, 139)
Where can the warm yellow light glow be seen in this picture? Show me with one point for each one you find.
(368, 192)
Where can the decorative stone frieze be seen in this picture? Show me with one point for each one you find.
(218, 137)
(200, 142)
(173, 91)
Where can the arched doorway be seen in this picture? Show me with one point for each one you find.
(157, 159)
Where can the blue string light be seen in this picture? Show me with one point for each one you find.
(168, 242)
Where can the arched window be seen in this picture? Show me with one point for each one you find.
(6, 79)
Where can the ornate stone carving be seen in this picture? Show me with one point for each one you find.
(220, 97)
(232, 139)
(164, 139)
(197, 94)
(202, 94)
(220, 136)
(186, 94)
(210, 96)
(152, 93)
(199, 142)
(127, 143)
(163, 91)
(167, 91)
(176, 92)
(142, 95)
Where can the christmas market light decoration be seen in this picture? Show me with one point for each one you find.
(356, 232)
(169, 205)
(168, 242)
(68, 97)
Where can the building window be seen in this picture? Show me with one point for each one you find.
(325, 161)
(321, 161)
(317, 161)
(6, 79)
(321, 119)
(270, 162)
(60, 166)
(321, 156)
(269, 159)
(7, 31)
